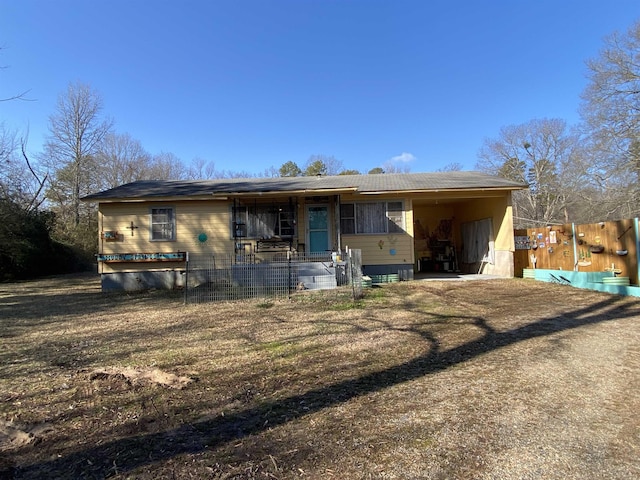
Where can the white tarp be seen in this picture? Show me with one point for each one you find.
(479, 244)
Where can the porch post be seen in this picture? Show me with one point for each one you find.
(337, 223)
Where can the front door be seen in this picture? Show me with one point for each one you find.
(318, 228)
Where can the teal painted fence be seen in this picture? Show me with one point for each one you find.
(600, 281)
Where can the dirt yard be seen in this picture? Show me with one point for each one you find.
(495, 379)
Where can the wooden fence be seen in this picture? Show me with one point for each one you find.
(595, 247)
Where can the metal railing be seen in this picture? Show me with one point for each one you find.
(211, 278)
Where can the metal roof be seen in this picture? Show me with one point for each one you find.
(373, 183)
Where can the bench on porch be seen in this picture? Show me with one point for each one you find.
(273, 245)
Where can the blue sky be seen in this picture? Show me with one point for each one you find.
(252, 84)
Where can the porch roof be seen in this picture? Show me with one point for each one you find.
(322, 185)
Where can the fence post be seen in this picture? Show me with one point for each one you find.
(351, 279)
(289, 272)
(186, 276)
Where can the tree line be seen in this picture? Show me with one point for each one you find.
(583, 173)
(44, 226)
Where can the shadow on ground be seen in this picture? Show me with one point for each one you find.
(199, 436)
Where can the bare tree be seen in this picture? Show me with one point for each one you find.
(17, 96)
(76, 131)
(201, 169)
(334, 166)
(611, 110)
(399, 163)
(8, 144)
(122, 159)
(10, 171)
(17, 184)
(271, 172)
(451, 167)
(544, 154)
(391, 166)
(167, 166)
(36, 183)
(233, 174)
(20, 181)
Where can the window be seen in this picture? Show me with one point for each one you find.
(285, 224)
(348, 218)
(263, 221)
(371, 217)
(163, 224)
(394, 217)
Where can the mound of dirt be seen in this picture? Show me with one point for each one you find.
(13, 436)
(144, 376)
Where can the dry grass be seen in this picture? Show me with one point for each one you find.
(499, 379)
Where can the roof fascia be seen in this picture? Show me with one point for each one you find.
(442, 191)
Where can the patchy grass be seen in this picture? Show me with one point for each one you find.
(265, 305)
(489, 379)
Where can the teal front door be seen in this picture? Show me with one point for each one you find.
(318, 223)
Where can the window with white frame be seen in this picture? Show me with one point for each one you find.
(371, 217)
(263, 221)
(163, 224)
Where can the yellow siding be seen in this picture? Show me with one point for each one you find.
(499, 210)
(213, 218)
(384, 249)
(192, 219)
(377, 249)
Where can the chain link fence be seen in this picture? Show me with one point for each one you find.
(234, 277)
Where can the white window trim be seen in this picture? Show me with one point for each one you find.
(173, 223)
(386, 210)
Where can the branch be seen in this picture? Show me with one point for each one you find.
(20, 96)
(41, 182)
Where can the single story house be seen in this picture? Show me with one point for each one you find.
(402, 223)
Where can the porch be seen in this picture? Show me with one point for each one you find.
(210, 278)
